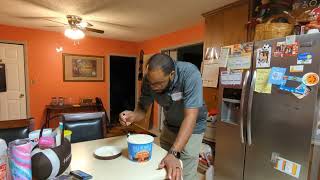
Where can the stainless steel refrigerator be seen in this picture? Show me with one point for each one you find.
(255, 129)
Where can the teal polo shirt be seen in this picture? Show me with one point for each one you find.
(185, 91)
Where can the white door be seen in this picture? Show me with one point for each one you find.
(13, 101)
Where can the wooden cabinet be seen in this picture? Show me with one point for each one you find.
(224, 26)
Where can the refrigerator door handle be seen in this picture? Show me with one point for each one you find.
(242, 104)
(253, 83)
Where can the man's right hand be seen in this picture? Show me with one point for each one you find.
(127, 117)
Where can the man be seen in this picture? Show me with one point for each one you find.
(177, 87)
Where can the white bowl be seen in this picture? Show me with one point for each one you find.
(107, 152)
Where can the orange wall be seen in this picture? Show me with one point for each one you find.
(188, 35)
(185, 36)
(45, 64)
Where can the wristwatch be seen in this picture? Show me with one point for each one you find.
(174, 153)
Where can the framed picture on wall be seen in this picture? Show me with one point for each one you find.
(83, 68)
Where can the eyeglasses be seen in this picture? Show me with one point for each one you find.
(159, 84)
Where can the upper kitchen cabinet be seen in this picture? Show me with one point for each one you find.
(225, 26)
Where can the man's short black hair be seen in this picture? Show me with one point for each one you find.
(161, 61)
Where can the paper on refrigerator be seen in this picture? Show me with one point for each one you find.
(239, 62)
(263, 56)
(224, 55)
(288, 167)
(210, 74)
(240, 56)
(262, 85)
(231, 78)
(221, 59)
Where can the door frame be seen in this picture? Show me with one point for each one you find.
(26, 70)
(108, 78)
(170, 48)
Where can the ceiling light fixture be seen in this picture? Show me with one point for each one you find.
(74, 33)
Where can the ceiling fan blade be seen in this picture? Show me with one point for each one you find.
(56, 21)
(52, 19)
(34, 17)
(84, 24)
(54, 26)
(94, 30)
(112, 24)
(89, 24)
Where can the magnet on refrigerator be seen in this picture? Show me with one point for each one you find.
(263, 56)
(276, 76)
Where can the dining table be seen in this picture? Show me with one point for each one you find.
(120, 168)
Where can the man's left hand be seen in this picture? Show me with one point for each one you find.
(173, 167)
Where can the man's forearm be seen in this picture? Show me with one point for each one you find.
(141, 114)
(185, 130)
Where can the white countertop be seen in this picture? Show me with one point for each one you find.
(120, 168)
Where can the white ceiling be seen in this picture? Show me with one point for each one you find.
(138, 19)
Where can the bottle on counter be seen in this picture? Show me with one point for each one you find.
(4, 166)
(58, 131)
(61, 101)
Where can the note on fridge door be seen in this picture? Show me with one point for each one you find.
(224, 54)
(231, 78)
(288, 167)
(210, 74)
(262, 85)
(239, 62)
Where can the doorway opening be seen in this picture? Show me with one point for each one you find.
(192, 54)
(122, 86)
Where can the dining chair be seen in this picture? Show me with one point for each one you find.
(85, 126)
(101, 108)
(11, 130)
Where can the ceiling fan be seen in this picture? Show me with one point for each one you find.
(76, 22)
(77, 26)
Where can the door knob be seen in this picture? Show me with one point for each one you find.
(21, 95)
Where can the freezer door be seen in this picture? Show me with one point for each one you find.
(280, 122)
(230, 153)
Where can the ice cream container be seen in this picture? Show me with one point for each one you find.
(140, 147)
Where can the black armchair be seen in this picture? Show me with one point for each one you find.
(15, 129)
(85, 126)
(101, 108)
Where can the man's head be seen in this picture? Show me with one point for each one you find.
(160, 72)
